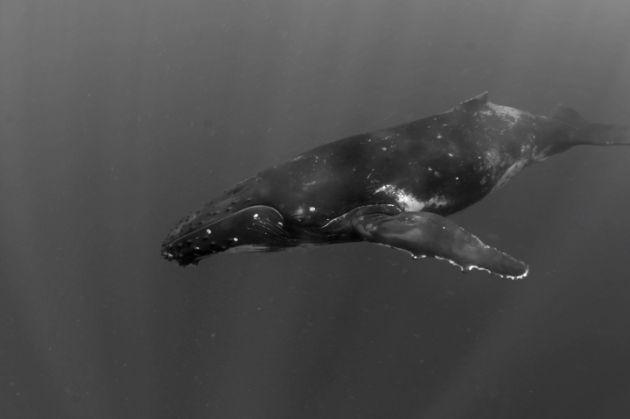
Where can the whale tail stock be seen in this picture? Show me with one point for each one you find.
(602, 134)
(588, 133)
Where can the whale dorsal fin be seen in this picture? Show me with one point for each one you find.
(568, 115)
(474, 103)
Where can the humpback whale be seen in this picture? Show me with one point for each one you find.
(394, 187)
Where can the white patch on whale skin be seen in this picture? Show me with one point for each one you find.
(299, 211)
(492, 158)
(308, 185)
(408, 201)
(493, 163)
(539, 155)
(507, 114)
(436, 202)
(247, 248)
(471, 267)
(509, 173)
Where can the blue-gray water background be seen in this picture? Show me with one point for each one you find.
(117, 117)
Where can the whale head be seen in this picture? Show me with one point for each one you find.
(209, 231)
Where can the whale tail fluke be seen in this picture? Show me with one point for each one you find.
(587, 133)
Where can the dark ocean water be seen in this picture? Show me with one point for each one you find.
(118, 117)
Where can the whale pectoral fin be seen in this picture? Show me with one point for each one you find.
(426, 234)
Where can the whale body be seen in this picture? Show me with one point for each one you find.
(394, 186)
